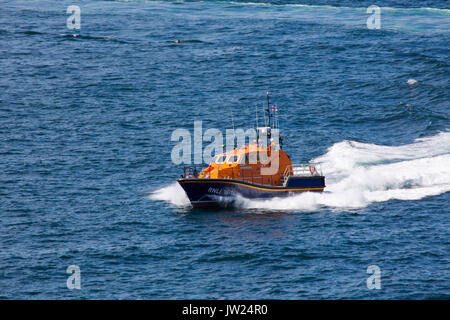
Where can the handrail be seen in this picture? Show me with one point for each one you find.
(302, 169)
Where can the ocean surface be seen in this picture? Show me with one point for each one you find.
(86, 178)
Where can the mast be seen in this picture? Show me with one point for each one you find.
(268, 109)
(234, 132)
(256, 110)
(256, 128)
(269, 115)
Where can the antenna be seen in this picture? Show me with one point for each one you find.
(256, 109)
(234, 132)
(257, 135)
(268, 109)
(232, 120)
(264, 114)
(274, 117)
(269, 116)
(277, 118)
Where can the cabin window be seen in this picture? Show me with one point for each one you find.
(220, 159)
(233, 158)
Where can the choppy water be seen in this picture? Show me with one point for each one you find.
(87, 178)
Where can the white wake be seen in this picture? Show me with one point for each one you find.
(358, 174)
(173, 194)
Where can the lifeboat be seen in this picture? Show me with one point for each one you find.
(255, 171)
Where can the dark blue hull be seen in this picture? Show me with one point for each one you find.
(211, 192)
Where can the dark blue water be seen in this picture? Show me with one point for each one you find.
(86, 175)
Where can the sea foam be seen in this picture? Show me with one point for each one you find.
(172, 193)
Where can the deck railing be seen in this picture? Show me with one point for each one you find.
(302, 170)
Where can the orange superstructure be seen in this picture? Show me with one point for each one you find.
(248, 164)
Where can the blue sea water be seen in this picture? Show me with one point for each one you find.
(86, 176)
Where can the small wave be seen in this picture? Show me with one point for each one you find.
(89, 37)
(326, 6)
(305, 5)
(31, 32)
(69, 35)
(186, 41)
